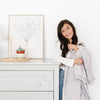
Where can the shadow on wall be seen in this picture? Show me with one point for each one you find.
(3, 48)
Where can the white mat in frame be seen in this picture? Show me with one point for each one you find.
(26, 31)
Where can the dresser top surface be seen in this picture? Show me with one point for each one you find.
(28, 61)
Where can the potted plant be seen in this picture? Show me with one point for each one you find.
(20, 52)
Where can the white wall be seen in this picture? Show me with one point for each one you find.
(84, 14)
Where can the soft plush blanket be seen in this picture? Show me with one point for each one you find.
(83, 75)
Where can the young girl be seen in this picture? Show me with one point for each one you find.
(75, 64)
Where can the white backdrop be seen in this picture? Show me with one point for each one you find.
(85, 15)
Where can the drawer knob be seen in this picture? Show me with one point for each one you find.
(38, 84)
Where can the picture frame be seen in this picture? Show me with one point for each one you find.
(26, 32)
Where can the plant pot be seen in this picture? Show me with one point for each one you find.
(20, 52)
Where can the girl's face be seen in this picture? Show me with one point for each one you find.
(67, 31)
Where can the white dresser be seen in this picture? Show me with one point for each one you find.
(32, 80)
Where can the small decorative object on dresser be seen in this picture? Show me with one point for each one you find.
(20, 52)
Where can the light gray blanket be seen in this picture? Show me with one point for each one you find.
(82, 73)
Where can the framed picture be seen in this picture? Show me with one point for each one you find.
(26, 32)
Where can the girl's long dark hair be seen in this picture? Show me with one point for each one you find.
(63, 40)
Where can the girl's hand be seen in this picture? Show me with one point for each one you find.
(72, 46)
(78, 61)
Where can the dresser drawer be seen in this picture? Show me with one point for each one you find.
(26, 95)
(26, 80)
